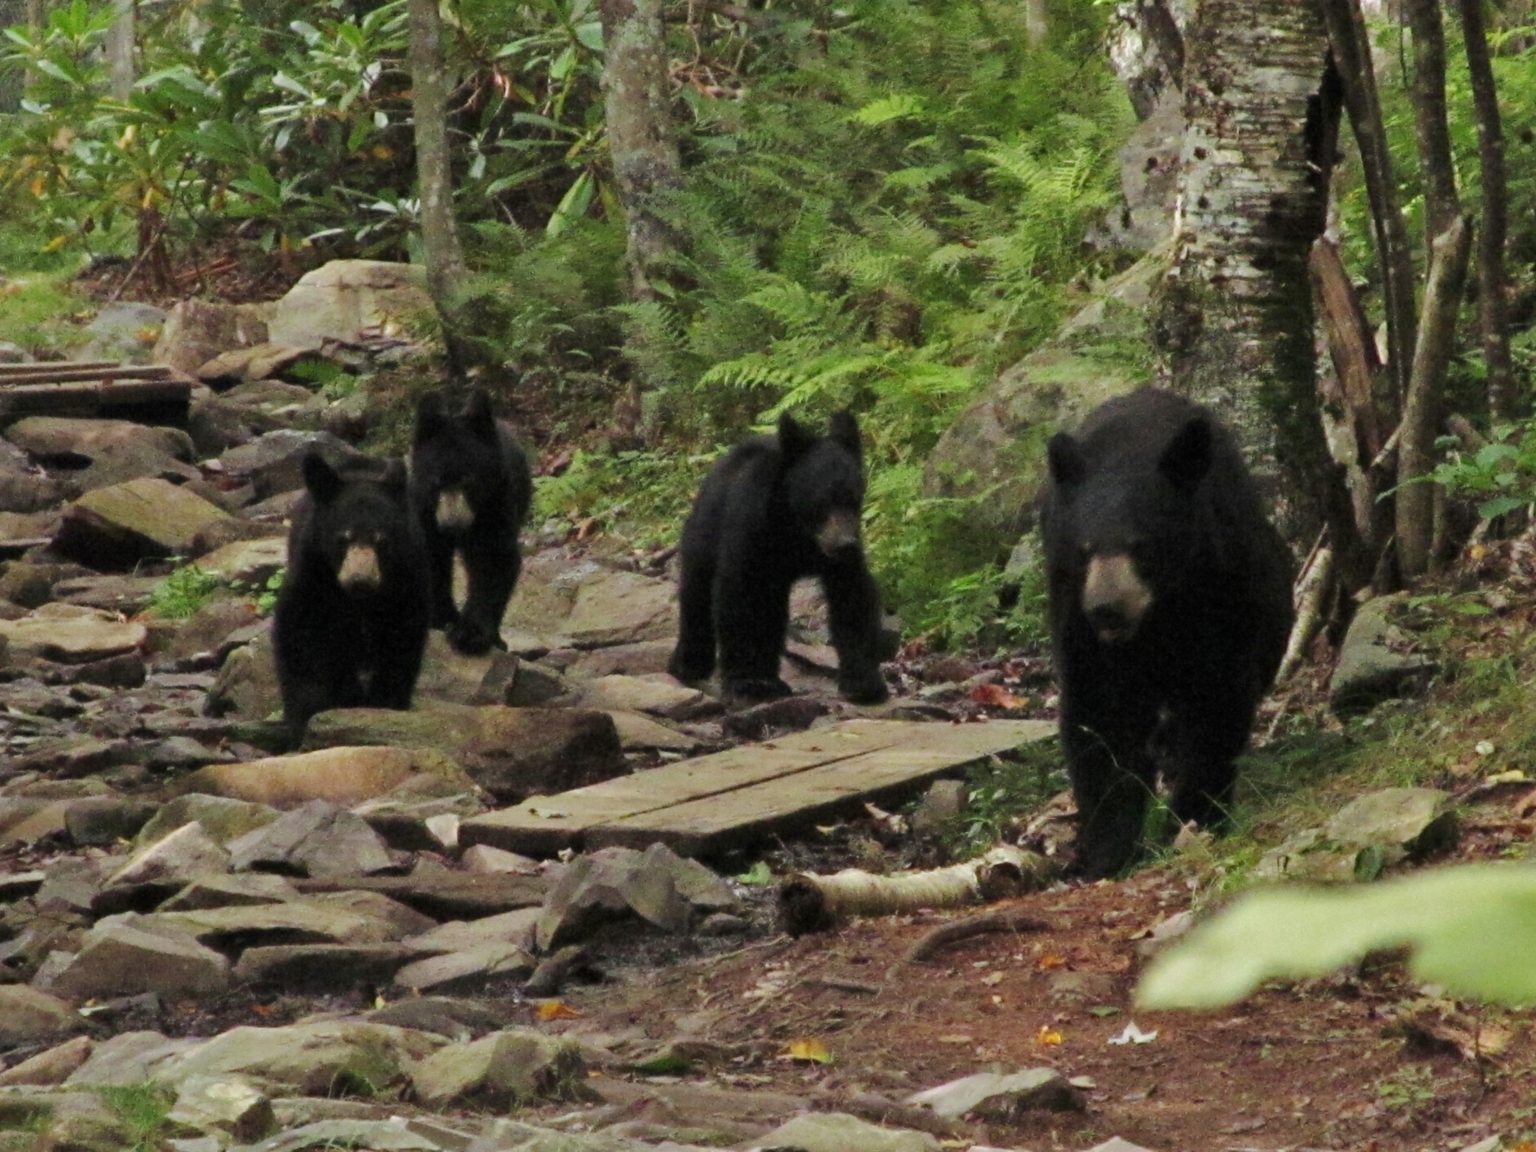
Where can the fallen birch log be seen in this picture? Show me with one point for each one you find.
(809, 903)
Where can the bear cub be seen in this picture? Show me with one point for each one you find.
(351, 619)
(470, 488)
(775, 509)
(1170, 605)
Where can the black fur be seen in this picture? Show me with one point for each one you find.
(471, 451)
(775, 509)
(360, 647)
(1157, 478)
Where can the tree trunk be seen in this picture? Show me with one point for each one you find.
(637, 92)
(1235, 317)
(434, 176)
(120, 45)
(1448, 256)
(1430, 124)
(1351, 54)
(1495, 215)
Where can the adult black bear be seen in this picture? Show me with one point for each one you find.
(351, 619)
(777, 508)
(1170, 605)
(470, 488)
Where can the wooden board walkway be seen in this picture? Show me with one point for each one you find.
(702, 806)
(153, 393)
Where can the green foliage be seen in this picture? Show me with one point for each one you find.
(1466, 928)
(1003, 788)
(142, 1110)
(183, 593)
(1501, 475)
(648, 495)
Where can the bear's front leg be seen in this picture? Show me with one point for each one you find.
(1112, 779)
(853, 616)
(751, 621)
(492, 567)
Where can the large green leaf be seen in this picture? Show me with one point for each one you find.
(1470, 928)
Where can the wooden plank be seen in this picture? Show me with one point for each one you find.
(752, 782)
(39, 375)
(705, 827)
(42, 370)
(545, 825)
(161, 397)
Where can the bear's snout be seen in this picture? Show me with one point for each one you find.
(1115, 598)
(360, 571)
(453, 511)
(839, 533)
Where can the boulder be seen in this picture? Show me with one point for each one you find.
(125, 523)
(345, 300)
(512, 753)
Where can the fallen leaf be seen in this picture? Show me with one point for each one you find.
(808, 1051)
(1134, 1035)
(1050, 962)
(556, 1010)
(996, 696)
(1048, 1035)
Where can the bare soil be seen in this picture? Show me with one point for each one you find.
(1362, 1061)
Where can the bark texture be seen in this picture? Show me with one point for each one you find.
(1494, 227)
(434, 173)
(1235, 317)
(637, 93)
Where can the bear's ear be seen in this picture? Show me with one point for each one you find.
(844, 430)
(323, 481)
(793, 439)
(1068, 467)
(1187, 458)
(430, 417)
(478, 416)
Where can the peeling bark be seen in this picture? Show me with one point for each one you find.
(1235, 316)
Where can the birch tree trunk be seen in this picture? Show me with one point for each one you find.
(434, 176)
(1235, 318)
(637, 102)
(121, 41)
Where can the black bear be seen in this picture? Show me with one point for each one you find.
(351, 619)
(1170, 606)
(777, 508)
(470, 488)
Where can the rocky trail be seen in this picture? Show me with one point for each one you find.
(404, 937)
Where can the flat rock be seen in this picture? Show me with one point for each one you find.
(250, 562)
(1402, 821)
(161, 869)
(119, 957)
(315, 968)
(466, 971)
(99, 453)
(221, 818)
(658, 695)
(664, 889)
(510, 752)
(234, 927)
(443, 894)
(515, 927)
(29, 1017)
(50, 1067)
(223, 1104)
(124, 523)
(343, 775)
(1002, 1096)
(501, 1071)
(96, 821)
(128, 1058)
(71, 634)
(316, 839)
(316, 1058)
(838, 1132)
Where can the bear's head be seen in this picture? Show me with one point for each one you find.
(1125, 534)
(456, 459)
(359, 521)
(824, 482)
